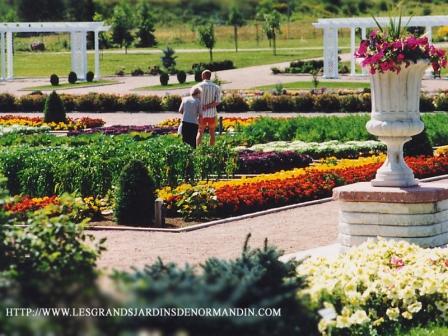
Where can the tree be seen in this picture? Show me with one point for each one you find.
(40, 10)
(145, 25)
(54, 110)
(236, 20)
(122, 24)
(168, 59)
(206, 36)
(272, 28)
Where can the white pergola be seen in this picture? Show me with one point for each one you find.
(78, 43)
(331, 27)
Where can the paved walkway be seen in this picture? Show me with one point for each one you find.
(290, 230)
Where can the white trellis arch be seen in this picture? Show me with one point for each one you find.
(331, 27)
(78, 43)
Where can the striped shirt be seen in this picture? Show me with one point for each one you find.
(211, 93)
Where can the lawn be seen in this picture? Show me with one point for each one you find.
(428, 331)
(27, 64)
(66, 86)
(166, 87)
(322, 84)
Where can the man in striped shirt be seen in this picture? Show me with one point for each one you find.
(210, 99)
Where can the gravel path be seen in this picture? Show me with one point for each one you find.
(291, 230)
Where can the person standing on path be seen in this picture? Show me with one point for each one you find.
(210, 99)
(190, 108)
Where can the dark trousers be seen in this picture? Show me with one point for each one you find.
(189, 133)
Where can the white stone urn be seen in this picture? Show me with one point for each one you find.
(395, 118)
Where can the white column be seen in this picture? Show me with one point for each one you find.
(363, 37)
(79, 53)
(2, 56)
(10, 55)
(97, 57)
(429, 33)
(331, 53)
(352, 52)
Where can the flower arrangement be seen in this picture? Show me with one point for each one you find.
(376, 287)
(390, 49)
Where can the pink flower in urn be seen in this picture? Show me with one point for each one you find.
(362, 49)
(400, 57)
(397, 45)
(396, 262)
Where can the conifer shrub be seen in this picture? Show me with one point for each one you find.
(419, 145)
(54, 80)
(181, 76)
(54, 110)
(135, 196)
(90, 76)
(164, 78)
(72, 77)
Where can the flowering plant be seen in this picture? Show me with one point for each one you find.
(389, 49)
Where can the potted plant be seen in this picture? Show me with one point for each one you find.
(396, 61)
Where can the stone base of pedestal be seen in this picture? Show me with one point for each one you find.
(416, 214)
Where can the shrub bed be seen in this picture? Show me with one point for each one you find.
(214, 66)
(344, 101)
(70, 124)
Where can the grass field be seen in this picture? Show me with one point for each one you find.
(322, 84)
(65, 86)
(172, 86)
(28, 64)
(428, 331)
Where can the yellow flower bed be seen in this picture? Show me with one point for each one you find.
(326, 165)
(377, 285)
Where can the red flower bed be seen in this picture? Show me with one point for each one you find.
(251, 197)
(26, 203)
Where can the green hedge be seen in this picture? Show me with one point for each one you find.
(231, 102)
(327, 128)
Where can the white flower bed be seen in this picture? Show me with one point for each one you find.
(18, 129)
(378, 286)
(323, 149)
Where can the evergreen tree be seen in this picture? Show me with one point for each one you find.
(145, 26)
(122, 24)
(236, 20)
(135, 195)
(54, 110)
(206, 37)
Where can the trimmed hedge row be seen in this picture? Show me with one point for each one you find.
(232, 102)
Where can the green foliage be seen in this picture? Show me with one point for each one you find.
(206, 38)
(54, 80)
(171, 102)
(122, 23)
(236, 20)
(168, 58)
(54, 110)
(135, 196)
(272, 28)
(90, 76)
(90, 165)
(145, 26)
(218, 158)
(181, 76)
(164, 78)
(419, 145)
(191, 204)
(257, 279)
(234, 103)
(72, 77)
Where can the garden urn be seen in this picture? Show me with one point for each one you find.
(395, 118)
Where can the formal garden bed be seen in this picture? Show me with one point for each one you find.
(258, 163)
(341, 100)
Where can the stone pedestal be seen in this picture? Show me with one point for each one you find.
(416, 214)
